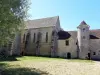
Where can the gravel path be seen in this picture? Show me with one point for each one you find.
(58, 67)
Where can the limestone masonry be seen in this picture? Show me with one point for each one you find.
(45, 37)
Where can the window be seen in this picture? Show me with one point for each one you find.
(28, 36)
(83, 37)
(52, 33)
(24, 38)
(94, 53)
(39, 36)
(83, 29)
(27, 39)
(46, 36)
(76, 43)
(67, 42)
(34, 38)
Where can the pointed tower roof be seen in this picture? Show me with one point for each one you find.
(83, 23)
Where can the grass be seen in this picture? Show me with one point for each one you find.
(37, 58)
(32, 65)
(7, 69)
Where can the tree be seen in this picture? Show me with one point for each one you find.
(13, 13)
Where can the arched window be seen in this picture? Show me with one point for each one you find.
(46, 36)
(34, 37)
(39, 36)
(24, 38)
(27, 39)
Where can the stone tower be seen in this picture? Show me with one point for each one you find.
(83, 40)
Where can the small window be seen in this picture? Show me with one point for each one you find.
(94, 53)
(83, 37)
(76, 43)
(34, 38)
(53, 33)
(83, 29)
(67, 42)
(46, 36)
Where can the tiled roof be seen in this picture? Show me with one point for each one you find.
(44, 22)
(63, 35)
(83, 23)
(73, 34)
(67, 34)
(93, 37)
(95, 33)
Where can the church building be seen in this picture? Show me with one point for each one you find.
(45, 37)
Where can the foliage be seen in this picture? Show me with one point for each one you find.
(3, 53)
(12, 16)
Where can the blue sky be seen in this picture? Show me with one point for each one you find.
(71, 12)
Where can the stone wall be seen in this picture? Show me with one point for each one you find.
(63, 49)
(83, 41)
(95, 48)
(44, 46)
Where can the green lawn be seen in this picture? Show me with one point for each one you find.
(31, 65)
(7, 68)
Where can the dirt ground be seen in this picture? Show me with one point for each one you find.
(64, 67)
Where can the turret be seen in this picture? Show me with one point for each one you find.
(83, 40)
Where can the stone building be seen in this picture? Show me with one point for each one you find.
(45, 37)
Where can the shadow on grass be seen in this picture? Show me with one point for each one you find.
(96, 60)
(22, 71)
(9, 58)
(12, 58)
(6, 69)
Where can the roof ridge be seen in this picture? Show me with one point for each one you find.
(72, 31)
(44, 18)
(43, 22)
(94, 29)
